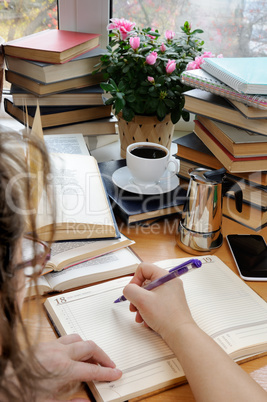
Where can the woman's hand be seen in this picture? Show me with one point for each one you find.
(160, 307)
(73, 360)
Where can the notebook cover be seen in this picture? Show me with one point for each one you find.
(245, 74)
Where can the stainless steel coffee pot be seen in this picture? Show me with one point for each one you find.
(200, 228)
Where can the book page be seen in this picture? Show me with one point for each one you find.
(66, 143)
(221, 303)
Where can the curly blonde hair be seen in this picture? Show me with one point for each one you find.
(20, 372)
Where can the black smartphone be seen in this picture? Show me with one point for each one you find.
(250, 255)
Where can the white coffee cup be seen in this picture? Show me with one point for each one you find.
(148, 163)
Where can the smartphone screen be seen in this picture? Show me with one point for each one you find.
(250, 255)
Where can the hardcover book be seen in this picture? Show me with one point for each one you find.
(98, 127)
(48, 73)
(216, 107)
(53, 116)
(91, 95)
(239, 142)
(132, 208)
(244, 74)
(234, 165)
(248, 111)
(253, 217)
(52, 45)
(190, 147)
(40, 89)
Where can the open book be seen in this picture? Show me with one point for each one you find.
(221, 303)
(67, 253)
(81, 204)
(82, 207)
(112, 265)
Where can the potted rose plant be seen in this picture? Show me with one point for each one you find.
(142, 71)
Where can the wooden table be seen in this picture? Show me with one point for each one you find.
(155, 243)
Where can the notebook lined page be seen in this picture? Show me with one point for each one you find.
(224, 306)
(93, 314)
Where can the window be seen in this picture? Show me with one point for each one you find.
(20, 18)
(232, 27)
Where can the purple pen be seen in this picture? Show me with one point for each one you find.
(173, 273)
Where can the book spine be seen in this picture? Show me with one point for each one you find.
(259, 102)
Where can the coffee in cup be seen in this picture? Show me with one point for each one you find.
(148, 163)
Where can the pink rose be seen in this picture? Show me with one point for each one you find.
(195, 64)
(163, 48)
(169, 34)
(151, 58)
(151, 79)
(170, 67)
(135, 42)
(192, 65)
(122, 25)
(207, 54)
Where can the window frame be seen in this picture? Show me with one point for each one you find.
(85, 16)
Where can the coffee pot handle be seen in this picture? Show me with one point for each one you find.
(231, 185)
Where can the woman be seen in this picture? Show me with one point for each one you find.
(39, 372)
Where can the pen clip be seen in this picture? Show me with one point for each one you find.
(194, 261)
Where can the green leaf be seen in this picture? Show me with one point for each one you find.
(161, 110)
(119, 104)
(107, 87)
(126, 69)
(113, 83)
(175, 115)
(121, 86)
(127, 114)
(120, 95)
(170, 94)
(197, 31)
(130, 98)
(186, 116)
(169, 103)
(153, 33)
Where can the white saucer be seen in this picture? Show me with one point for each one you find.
(123, 179)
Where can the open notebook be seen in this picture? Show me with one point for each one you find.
(221, 303)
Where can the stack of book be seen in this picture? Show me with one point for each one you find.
(54, 68)
(229, 101)
(193, 153)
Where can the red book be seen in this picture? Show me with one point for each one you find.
(234, 165)
(52, 45)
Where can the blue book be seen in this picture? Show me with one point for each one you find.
(244, 74)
